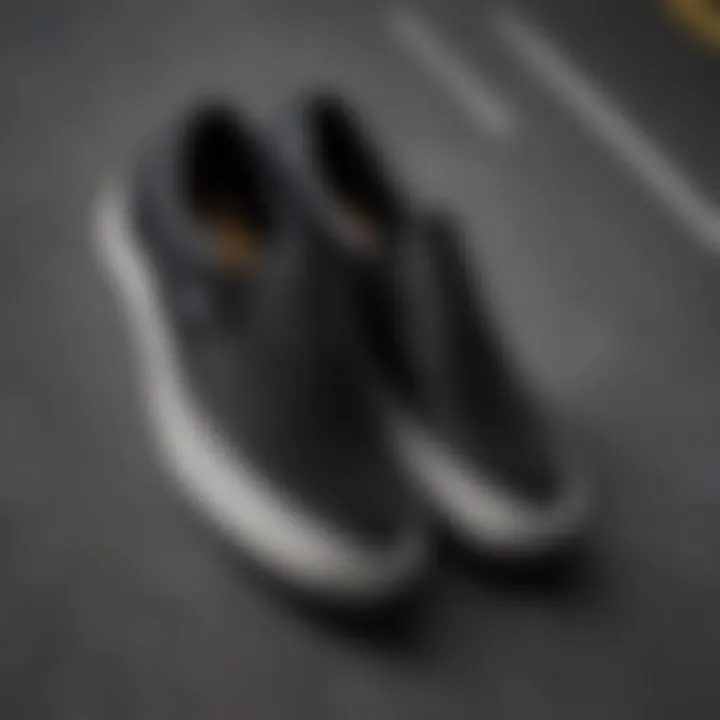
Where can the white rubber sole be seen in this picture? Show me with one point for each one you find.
(293, 546)
(480, 513)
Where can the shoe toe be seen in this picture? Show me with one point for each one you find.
(489, 514)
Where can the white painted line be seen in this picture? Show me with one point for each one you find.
(629, 142)
(485, 108)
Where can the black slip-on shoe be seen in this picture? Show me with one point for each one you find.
(250, 364)
(481, 451)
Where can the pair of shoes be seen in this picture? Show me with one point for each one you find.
(321, 373)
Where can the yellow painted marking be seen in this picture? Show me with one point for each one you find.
(700, 17)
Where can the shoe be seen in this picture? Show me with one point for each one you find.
(481, 452)
(250, 364)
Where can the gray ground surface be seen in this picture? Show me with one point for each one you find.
(114, 603)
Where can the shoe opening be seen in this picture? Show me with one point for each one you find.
(351, 172)
(225, 181)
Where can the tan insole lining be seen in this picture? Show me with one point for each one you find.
(236, 245)
(364, 225)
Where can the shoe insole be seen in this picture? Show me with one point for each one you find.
(236, 245)
(364, 226)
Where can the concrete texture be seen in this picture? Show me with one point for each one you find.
(115, 603)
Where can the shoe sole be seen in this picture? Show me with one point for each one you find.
(230, 493)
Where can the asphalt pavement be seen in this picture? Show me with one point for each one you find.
(577, 144)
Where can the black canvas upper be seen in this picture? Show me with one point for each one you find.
(428, 319)
(272, 355)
